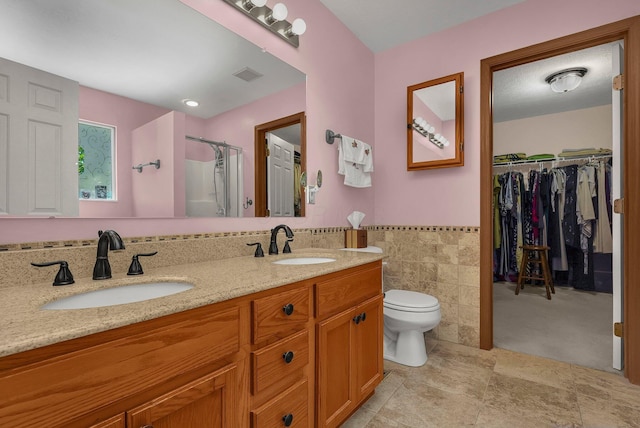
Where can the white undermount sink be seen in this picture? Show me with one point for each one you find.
(119, 295)
(304, 261)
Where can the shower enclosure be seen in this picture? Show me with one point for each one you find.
(214, 183)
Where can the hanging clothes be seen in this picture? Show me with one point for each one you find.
(565, 208)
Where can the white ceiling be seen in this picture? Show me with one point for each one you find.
(519, 92)
(384, 24)
(156, 51)
(161, 51)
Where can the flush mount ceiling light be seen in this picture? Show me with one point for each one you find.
(273, 19)
(566, 80)
(191, 103)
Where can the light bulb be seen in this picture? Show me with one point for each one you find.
(445, 142)
(298, 27)
(431, 129)
(250, 4)
(279, 12)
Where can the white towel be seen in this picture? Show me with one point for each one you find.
(355, 162)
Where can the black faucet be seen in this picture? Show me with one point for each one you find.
(273, 247)
(109, 240)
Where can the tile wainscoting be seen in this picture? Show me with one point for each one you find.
(439, 260)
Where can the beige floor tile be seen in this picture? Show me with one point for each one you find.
(382, 422)
(597, 412)
(430, 407)
(533, 368)
(530, 400)
(607, 386)
(359, 419)
(464, 354)
(384, 391)
(494, 417)
(464, 386)
(451, 376)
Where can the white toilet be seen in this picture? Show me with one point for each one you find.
(407, 315)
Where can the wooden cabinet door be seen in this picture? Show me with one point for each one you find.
(114, 422)
(336, 377)
(368, 360)
(206, 402)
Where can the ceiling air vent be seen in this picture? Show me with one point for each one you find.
(247, 74)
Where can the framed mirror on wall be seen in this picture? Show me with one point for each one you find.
(280, 161)
(435, 123)
(136, 75)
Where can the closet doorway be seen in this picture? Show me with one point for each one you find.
(628, 32)
(549, 147)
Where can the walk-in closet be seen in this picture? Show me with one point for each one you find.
(556, 173)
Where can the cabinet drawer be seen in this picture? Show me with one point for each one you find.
(280, 315)
(270, 363)
(335, 295)
(292, 404)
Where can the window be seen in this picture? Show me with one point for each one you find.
(96, 163)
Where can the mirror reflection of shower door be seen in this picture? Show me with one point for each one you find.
(280, 176)
(214, 183)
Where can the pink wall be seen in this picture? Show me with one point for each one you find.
(351, 91)
(340, 96)
(236, 127)
(159, 192)
(126, 115)
(451, 196)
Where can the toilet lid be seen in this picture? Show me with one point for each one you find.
(409, 299)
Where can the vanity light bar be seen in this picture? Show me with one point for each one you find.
(272, 19)
(423, 128)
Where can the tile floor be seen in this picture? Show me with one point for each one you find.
(461, 386)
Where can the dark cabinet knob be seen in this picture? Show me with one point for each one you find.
(287, 420)
(288, 309)
(287, 356)
(363, 316)
(357, 318)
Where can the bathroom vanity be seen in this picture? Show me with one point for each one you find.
(299, 346)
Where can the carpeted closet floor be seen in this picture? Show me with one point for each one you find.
(574, 326)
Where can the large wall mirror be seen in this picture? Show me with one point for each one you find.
(435, 123)
(137, 62)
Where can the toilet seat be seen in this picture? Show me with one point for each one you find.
(410, 301)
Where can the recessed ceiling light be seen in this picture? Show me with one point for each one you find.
(191, 103)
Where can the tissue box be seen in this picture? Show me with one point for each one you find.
(355, 238)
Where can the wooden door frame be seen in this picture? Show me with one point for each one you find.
(260, 151)
(629, 31)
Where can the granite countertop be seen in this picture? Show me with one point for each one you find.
(25, 326)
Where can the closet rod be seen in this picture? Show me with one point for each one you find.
(537, 161)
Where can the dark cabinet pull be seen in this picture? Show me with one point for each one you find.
(357, 319)
(287, 419)
(363, 316)
(288, 309)
(287, 356)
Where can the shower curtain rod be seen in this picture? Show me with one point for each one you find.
(217, 143)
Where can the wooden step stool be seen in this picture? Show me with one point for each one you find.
(535, 255)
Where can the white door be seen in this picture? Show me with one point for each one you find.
(280, 177)
(616, 193)
(38, 142)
